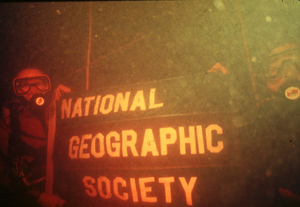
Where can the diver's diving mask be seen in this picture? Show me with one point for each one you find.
(23, 85)
(275, 64)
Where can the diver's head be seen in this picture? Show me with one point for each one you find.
(30, 82)
(282, 66)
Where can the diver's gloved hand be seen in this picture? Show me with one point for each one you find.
(287, 193)
(60, 90)
(50, 200)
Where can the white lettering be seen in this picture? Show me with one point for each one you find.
(100, 139)
(138, 101)
(65, 108)
(188, 188)
(126, 143)
(152, 104)
(119, 180)
(208, 131)
(167, 184)
(73, 150)
(97, 105)
(145, 190)
(77, 108)
(84, 146)
(149, 144)
(116, 145)
(110, 98)
(167, 136)
(187, 140)
(106, 182)
(87, 104)
(122, 102)
(88, 181)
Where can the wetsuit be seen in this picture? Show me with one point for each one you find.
(25, 156)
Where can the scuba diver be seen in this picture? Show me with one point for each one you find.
(279, 138)
(23, 141)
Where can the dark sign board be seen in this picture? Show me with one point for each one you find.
(146, 123)
(163, 142)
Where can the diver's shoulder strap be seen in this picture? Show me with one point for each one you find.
(14, 147)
